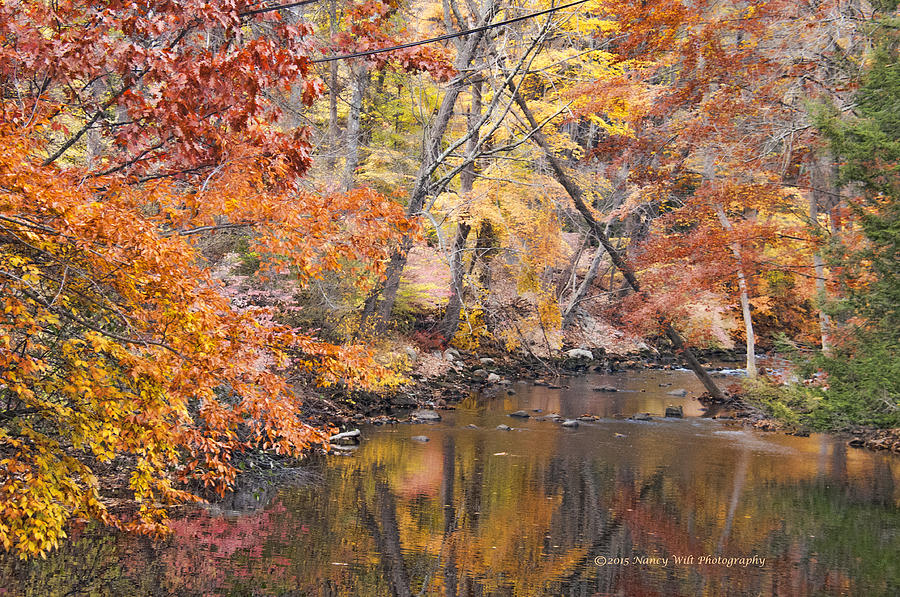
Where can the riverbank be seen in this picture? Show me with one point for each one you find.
(441, 379)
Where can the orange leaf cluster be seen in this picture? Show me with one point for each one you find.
(118, 349)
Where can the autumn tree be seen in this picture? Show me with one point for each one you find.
(126, 132)
(718, 110)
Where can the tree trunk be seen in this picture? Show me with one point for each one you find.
(745, 294)
(466, 183)
(457, 272)
(331, 159)
(569, 314)
(332, 144)
(359, 80)
(818, 183)
(576, 194)
(381, 308)
(570, 276)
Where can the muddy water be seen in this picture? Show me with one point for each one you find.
(614, 507)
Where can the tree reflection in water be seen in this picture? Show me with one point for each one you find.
(487, 512)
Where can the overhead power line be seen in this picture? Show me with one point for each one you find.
(258, 11)
(412, 44)
(432, 40)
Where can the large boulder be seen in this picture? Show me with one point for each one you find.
(580, 353)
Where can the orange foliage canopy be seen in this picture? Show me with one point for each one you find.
(115, 346)
(126, 129)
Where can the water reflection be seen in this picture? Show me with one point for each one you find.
(541, 510)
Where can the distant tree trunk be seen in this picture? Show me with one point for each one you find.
(485, 249)
(569, 314)
(817, 197)
(359, 80)
(457, 271)
(744, 291)
(466, 183)
(333, 141)
(93, 139)
(576, 194)
(380, 304)
(570, 275)
(331, 160)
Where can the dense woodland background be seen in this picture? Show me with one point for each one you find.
(209, 207)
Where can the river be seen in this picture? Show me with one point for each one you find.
(691, 506)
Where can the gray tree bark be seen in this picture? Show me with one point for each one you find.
(359, 80)
(578, 296)
(466, 183)
(818, 197)
(744, 292)
(331, 160)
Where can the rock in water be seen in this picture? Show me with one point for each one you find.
(641, 417)
(420, 438)
(580, 353)
(493, 378)
(680, 392)
(347, 438)
(520, 414)
(570, 423)
(423, 414)
(674, 412)
(606, 389)
(504, 427)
